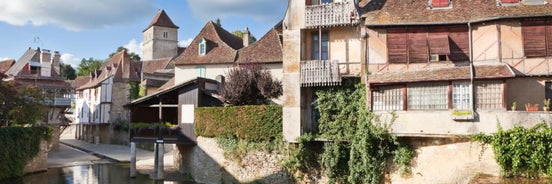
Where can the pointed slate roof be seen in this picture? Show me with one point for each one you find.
(416, 12)
(222, 47)
(268, 49)
(119, 66)
(161, 19)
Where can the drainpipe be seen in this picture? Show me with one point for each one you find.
(472, 71)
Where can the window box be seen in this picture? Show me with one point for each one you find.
(529, 107)
(462, 115)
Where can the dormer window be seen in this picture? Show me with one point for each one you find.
(202, 47)
(508, 2)
(439, 4)
(534, 2)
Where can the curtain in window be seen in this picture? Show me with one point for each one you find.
(461, 97)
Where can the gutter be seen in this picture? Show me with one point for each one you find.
(472, 71)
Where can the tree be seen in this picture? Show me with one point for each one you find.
(89, 65)
(133, 56)
(239, 33)
(218, 22)
(250, 84)
(20, 104)
(68, 72)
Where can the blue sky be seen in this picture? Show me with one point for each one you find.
(94, 28)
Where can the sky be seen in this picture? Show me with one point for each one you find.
(95, 28)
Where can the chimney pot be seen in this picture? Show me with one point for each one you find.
(245, 37)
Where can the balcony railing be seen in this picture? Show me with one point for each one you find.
(320, 73)
(332, 14)
(58, 102)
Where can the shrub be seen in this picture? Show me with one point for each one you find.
(250, 85)
(255, 123)
(19, 145)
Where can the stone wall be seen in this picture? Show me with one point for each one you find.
(206, 163)
(447, 160)
(40, 162)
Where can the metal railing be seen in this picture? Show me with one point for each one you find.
(332, 14)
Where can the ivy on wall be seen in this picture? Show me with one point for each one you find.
(18, 146)
(521, 151)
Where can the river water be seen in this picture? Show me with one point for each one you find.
(109, 173)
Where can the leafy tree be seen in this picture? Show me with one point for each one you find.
(239, 33)
(68, 72)
(250, 84)
(20, 104)
(218, 22)
(88, 65)
(133, 56)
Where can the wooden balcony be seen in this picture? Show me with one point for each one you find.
(320, 73)
(331, 15)
(58, 102)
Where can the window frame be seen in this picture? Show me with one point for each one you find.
(202, 47)
(325, 48)
(201, 71)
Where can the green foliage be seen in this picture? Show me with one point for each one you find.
(362, 143)
(133, 56)
(134, 90)
(520, 151)
(68, 72)
(19, 145)
(457, 112)
(236, 149)
(251, 123)
(17, 100)
(250, 84)
(301, 157)
(88, 66)
(239, 33)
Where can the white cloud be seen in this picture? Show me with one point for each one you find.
(67, 58)
(134, 46)
(185, 43)
(74, 15)
(261, 10)
(4, 58)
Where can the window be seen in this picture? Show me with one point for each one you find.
(509, 1)
(461, 96)
(165, 34)
(423, 44)
(439, 3)
(200, 71)
(548, 90)
(537, 37)
(316, 47)
(202, 47)
(387, 98)
(534, 2)
(423, 96)
(489, 94)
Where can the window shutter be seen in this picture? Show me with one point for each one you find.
(438, 42)
(459, 43)
(396, 45)
(417, 45)
(440, 3)
(534, 43)
(549, 37)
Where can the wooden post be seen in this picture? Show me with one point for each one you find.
(132, 159)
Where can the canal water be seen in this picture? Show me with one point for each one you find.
(105, 173)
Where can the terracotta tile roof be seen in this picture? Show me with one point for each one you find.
(79, 81)
(150, 66)
(443, 74)
(222, 47)
(43, 82)
(6, 64)
(119, 66)
(167, 85)
(394, 12)
(268, 49)
(161, 19)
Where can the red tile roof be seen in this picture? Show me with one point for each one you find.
(6, 64)
(397, 12)
(161, 19)
(119, 66)
(443, 74)
(222, 47)
(150, 66)
(268, 49)
(79, 81)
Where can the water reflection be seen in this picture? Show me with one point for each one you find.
(87, 174)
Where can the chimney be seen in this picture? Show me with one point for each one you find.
(245, 37)
(56, 61)
(45, 55)
(45, 63)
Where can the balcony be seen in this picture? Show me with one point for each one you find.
(330, 15)
(320, 73)
(58, 102)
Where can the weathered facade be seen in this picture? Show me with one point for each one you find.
(323, 42)
(458, 73)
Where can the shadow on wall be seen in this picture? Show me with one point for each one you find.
(205, 163)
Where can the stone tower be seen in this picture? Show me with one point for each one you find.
(160, 38)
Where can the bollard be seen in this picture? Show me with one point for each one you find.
(160, 154)
(132, 159)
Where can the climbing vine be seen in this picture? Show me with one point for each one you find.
(360, 144)
(521, 151)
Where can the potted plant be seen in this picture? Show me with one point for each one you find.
(514, 106)
(546, 106)
(529, 107)
(462, 115)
